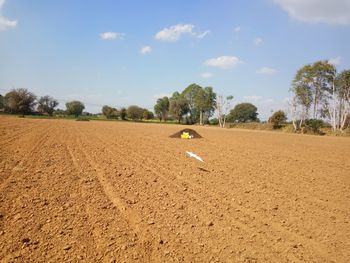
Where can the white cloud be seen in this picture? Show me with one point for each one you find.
(223, 62)
(145, 50)
(237, 29)
(206, 75)
(335, 61)
(253, 98)
(4, 22)
(112, 36)
(174, 33)
(267, 71)
(332, 12)
(258, 41)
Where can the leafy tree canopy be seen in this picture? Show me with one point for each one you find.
(20, 101)
(278, 118)
(243, 112)
(75, 108)
(47, 104)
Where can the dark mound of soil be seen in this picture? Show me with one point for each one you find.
(192, 133)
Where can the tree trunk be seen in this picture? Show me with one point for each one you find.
(333, 114)
(340, 112)
(315, 104)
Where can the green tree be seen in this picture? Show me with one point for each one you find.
(158, 111)
(191, 94)
(20, 101)
(147, 115)
(277, 119)
(342, 94)
(110, 112)
(162, 108)
(75, 108)
(317, 78)
(205, 101)
(243, 112)
(2, 102)
(123, 113)
(47, 104)
(178, 106)
(303, 89)
(134, 112)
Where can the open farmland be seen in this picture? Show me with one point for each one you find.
(118, 191)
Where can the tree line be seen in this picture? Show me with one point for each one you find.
(193, 105)
(319, 94)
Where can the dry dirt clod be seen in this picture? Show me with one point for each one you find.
(67, 247)
(210, 223)
(25, 240)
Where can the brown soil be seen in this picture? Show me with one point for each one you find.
(192, 133)
(126, 192)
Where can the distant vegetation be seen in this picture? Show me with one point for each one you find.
(320, 99)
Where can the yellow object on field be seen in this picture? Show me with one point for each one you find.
(185, 135)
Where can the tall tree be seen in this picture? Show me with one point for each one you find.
(178, 106)
(47, 104)
(20, 101)
(343, 92)
(191, 94)
(162, 108)
(316, 77)
(300, 104)
(2, 102)
(337, 110)
(75, 108)
(123, 113)
(205, 103)
(323, 76)
(222, 106)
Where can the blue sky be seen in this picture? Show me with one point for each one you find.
(131, 52)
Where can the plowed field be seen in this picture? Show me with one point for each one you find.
(125, 192)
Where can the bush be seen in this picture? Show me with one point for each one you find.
(277, 119)
(313, 126)
(252, 126)
(288, 128)
(214, 121)
(82, 119)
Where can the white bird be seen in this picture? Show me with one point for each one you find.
(191, 154)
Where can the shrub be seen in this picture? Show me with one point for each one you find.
(313, 126)
(214, 121)
(277, 119)
(82, 119)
